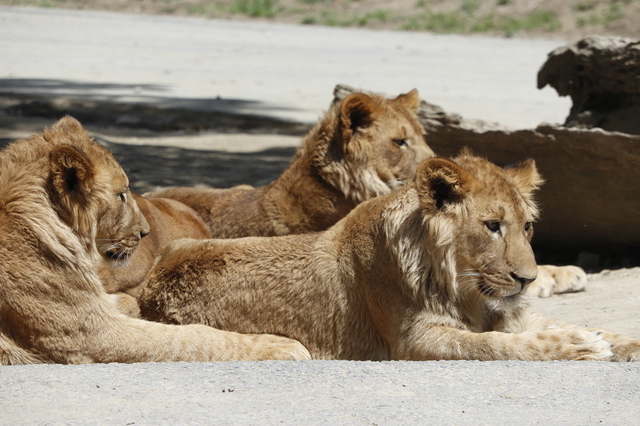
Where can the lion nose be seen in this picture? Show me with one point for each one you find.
(523, 281)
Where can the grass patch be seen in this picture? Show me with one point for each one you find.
(255, 8)
(336, 19)
(471, 6)
(438, 22)
(585, 5)
(541, 20)
(613, 13)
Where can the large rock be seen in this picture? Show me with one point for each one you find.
(591, 198)
(602, 76)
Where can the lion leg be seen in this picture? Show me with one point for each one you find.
(624, 348)
(557, 280)
(126, 304)
(569, 279)
(133, 340)
(442, 342)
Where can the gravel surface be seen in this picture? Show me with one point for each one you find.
(323, 392)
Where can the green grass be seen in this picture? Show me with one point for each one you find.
(583, 6)
(337, 19)
(471, 6)
(542, 20)
(438, 22)
(255, 8)
(613, 13)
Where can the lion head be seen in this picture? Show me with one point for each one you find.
(90, 192)
(492, 212)
(466, 235)
(368, 145)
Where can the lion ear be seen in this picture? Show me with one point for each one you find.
(356, 112)
(411, 100)
(441, 182)
(69, 125)
(72, 173)
(525, 176)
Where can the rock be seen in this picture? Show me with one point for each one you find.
(590, 201)
(602, 76)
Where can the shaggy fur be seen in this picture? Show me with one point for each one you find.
(433, 271)
(60, 194)
(365, 146)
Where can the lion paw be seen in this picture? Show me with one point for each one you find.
(557, 280)
(280, 348)
(126, 304)
(628, 351)
(575, 345)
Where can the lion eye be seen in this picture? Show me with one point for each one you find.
(123, 197)
(493, 226)
(527, 226)
(400, 142)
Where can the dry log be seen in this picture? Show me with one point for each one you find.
(602, 76)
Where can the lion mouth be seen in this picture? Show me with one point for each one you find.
(486, 290)
(119, 253)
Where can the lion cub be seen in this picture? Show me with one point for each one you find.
(364, 146)
(433, 271)
(61, 195)
(123, 268)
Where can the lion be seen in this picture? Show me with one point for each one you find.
(57, 190)
(122, 271)
(433, 271)
(364, 146)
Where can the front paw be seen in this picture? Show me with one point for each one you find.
(574, 344)
(280, 348)
(627, 351)
(557, 280)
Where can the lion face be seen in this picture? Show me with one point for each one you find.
(121, 226)
(92, 194)
(492, 212)
(380, 144)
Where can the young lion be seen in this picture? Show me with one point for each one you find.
(365, 146)
(433, 271)
(57, 190)
(122, 271)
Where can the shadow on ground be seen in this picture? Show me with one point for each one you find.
(152, 167)
(137, 106)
